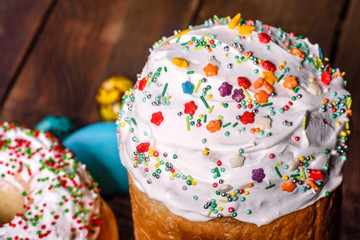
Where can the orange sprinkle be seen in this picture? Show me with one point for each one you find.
(261, 96)
(167, 43)
(281, 67)
(257, 130)
(334, 76)
(209, 50)
(325, 101)
(258, 83)
(213, 126)
(313, 185)
(297, 52)
(290, 82)
(210, 70)
(252, 131)
(190, 43)
(288, 186)
(207, 149)
(268, 86)
(250, 185)
(349, 111)
(287, 44)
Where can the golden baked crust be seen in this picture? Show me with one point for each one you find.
(108, 227)
(152, 220)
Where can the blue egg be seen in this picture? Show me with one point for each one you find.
(96, 146)
(59, 126)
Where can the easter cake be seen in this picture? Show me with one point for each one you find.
(235, 130)
(45, 192)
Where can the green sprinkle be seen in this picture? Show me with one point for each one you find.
(245, 91)
(211, 109)
(199, 48)
(190, 72)
(225, 125)
(235, 124)
(177, 40)
(191, 178)
(188, 123)
(278, 172)
(204, 101)
(205, 117)
(267, 104)
(197, 86)
(165, 87)
(270, 186)
(326, 151)
(304, 123)
(294, 175)
(248, 211)
(195, 197)
(165, 69)
(299, 37)
(133, 120)
(208, 214)
(281, 76)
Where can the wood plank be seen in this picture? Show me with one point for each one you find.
(82, 44)
(347, 59)
(19, 23)
(313, 19)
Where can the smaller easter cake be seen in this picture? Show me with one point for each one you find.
(45, 192)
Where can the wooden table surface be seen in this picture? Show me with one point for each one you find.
(54, 54)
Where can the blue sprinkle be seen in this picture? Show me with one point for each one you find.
(188, 87)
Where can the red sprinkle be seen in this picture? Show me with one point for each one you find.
(143, 147)
(231, 209)
(215, 185)
(219, 163)
(142, 84)
(247, 117)
(243, 81)
(157, 118)
(190, 108)
(272, 155)
(316, 175)
(269, 66)
(297, 138)
(264, 38)
(326, 78)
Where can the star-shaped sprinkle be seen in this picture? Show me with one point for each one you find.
(246, 29)
(269, 77)
(261, 96)
(210, 70)
(290, 82)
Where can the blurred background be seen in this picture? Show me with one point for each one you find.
(55, 54)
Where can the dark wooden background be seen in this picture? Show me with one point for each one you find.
(54, 54)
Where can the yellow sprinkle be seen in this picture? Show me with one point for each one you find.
(207, 41)
(301, 158)
(179, 62)
(259, 60)
(201, 116)
(157, 165)
(193, 182)
(122, 124)
(286, 178)
(209, 96)
(151, 154)
(246, 192)
(220, 208)
(249, 100)
(327, 59)
(338, 123)
(205, 153)
(348, 132)
(246, 29)
(233, 194)
(269, 77)
(311, 80)
(234, 21)
(282, 63)
(343, 134)
(183, 32)
(174, 174)
(152, 149)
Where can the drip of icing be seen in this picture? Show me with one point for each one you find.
(215, 155)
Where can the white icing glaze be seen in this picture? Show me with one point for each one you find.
(173, 136)
(61, 200)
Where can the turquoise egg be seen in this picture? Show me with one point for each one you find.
(59, 126)
(96, 146)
